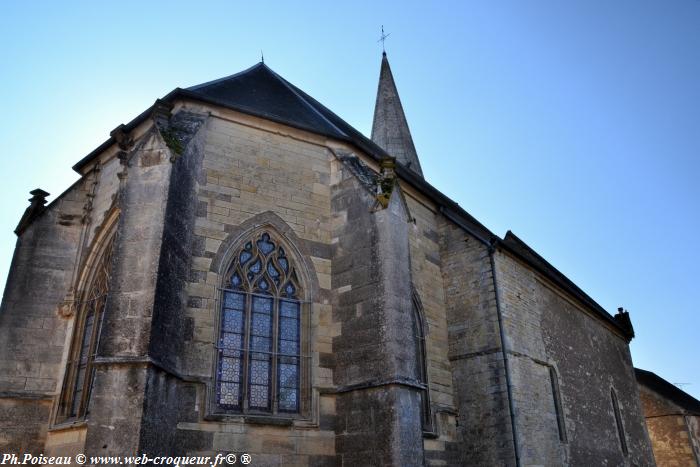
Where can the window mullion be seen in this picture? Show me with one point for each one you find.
(275, 348)
(248, 313)
(92, 351)
(257, 272)
(72, 366)
(305, 312)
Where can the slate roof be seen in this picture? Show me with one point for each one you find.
(670, 391)
(261, 92)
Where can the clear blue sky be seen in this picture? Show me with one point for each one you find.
(574, 124)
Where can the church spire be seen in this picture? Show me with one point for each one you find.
(390, 128)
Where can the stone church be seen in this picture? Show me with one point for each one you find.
(238, 270)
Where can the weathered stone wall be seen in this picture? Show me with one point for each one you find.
(165, 389)
(379, 415)
(533, 399)
(474, 346)
(122, 362)
(694, 430)
(182, 211)
(256, 173)
(674, 436)
(426, 267)
(103, 185)
(32, 334)
(588, 363)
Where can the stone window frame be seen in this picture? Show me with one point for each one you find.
(279, 234)
(93, 287)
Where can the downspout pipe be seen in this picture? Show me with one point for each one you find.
(504, 351)
(491, 247)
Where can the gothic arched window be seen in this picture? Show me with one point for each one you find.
(421, 361)
(90, 308)
(259, 363)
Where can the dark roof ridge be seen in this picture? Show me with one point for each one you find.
(515, 245)
(218, 80)
(659, 385)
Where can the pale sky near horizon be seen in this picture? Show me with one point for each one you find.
(574, 124)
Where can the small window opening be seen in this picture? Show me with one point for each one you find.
(618, 422)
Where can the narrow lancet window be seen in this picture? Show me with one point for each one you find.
(420, 358)
(259, 347)
(618, 422)
(557, 404)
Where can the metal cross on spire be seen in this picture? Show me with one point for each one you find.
(383, 38)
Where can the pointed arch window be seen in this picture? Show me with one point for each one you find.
(259, 358)
(79, 375)
(419, 327)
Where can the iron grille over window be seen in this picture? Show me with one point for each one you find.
(77, 384)
(259, 363)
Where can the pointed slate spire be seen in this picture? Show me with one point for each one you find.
(390, 128)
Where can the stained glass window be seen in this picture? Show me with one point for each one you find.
(77, 385)
(259, 360)
(288, 349)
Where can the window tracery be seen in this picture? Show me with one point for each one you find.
(259, 361)
(79, 375)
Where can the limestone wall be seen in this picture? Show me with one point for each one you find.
(256, 173)
(474, 349)
(36, 322)
(675, 437)
(32, 334)
(426, 274)
(553, 339)
(694, 433)
(185, 206)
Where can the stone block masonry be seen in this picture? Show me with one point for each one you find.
(518, 371)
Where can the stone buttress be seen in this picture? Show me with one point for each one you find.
(378, 404)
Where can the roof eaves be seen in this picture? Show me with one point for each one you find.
(256, 113)
(522, 250)
(358, 139)
(510, 243)
(447, 206)
(662, 387)
(128, 127)
(187, 93)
